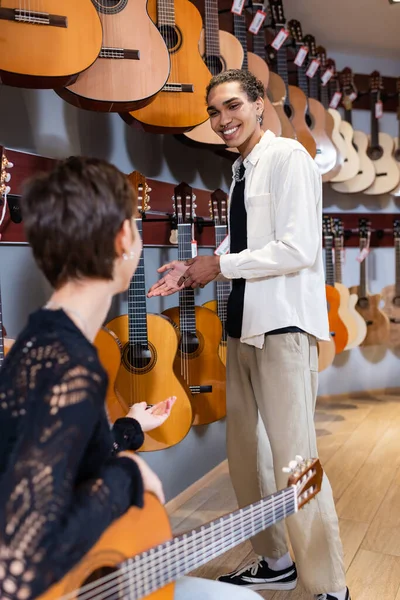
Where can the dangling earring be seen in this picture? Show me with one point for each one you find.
(131, 255)
(259, 119)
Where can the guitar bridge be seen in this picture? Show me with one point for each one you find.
(32, 17)
(393, 320)
(178, 87)
(119, 53)
(200, 389)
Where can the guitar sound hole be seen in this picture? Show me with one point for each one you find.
(97, 574)
(397, 154)
(214, 63)
(396, 300)
(110, 7)
(363, 302)
(375, 153)
(190, 343)
(139, 358)
(171, 37)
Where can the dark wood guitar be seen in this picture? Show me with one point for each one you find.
(391, 293)
(180, 105)
(149, 345)
(336, 325)
(378, 325)
(132, 48)
(137, 555)
(47, 43)
(197, 361)
(219, 214)
(296, 101)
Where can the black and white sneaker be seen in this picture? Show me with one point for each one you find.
(332, 597)
(258, 576)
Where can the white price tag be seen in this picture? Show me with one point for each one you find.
(312, 68)
(280, 39)
(301, 56)
(237, 7)
(193, 245)
(363, 255)
(257, 21)
(353, 96)
(336, 98)
(223, 248)
(379, 109)
(327, 76)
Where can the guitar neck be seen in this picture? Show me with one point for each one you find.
(165, 12)
(338, 259)
(187, 311)
(1, 334)
(313, 84)
(397, 255)
(363, 272)
(324, 95)
(239, 27)
(211, 27)
(374, 121)
(137, 309)
(348, 115)
(223, 287)
(330, 273)
(281, 63)
(259, 41)
(302, 79)
(152, 570)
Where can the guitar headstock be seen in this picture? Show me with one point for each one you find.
(277, 13)
(307, 478)
(142, 190)
(219, 207)
(364, 228)
(338, 228)
(184, 203)
(327, 227)
(309, 41)
(321, 55)
(396, 229)
(375, 82)
(5, 176)
(296, 32)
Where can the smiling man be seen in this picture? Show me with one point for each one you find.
(276, 313)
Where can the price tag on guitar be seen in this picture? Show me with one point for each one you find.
(237, 7)
(327, 76)
(364, 251)
(312, 68)
(223, 248)
(280, 39)
(379, 109)
(334, 103)
(257, 22)
(301, 56)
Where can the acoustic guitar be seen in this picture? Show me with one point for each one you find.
(200, 330)
(315, 113)
(137, 555)
(378, 325)
(219, 214)
(109, 350)
(180, 105)
(354, 322)
(132, 48)
(391, 293)
(336, 325)
(365, 175)
(396, 154)
(5, 342)
(220, 51)
(380, 149)
(149, 346)
(296, 100)
(47, 43)
(326, 353)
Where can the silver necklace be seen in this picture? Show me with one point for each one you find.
(237, 175)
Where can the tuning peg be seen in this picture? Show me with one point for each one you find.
(7, 177)
(299, 459)
(7, 190)
(9, 165)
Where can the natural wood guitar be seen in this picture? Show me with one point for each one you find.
(149, 346)
(109, 350)
(391, 294)
(354, 322)
(380, 150)
(220, 51)
(336, 324)
(5, 342)
(132, 49)
(219, 214)
(378, 325)
(200, 329)
(137, 555)
(396, 153)
(296, 100)
(180, 105)
(47, 43)
(326, 354)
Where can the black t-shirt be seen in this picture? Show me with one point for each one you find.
(238, 242)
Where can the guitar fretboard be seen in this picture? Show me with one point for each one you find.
(223, 287)
(211, 27)
(397, 255)
(363, 271)
(137, 310)
(239, 27)
(1, 335)
(166, 12)
(338, 258)
(374, 121)
(187, 312)
(281, 63)
(330, 273)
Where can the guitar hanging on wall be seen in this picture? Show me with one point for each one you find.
(391, 293)
(396, 154)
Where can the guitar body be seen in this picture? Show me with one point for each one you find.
(153, 380)
(298, 108)
(336, 324)
(387, 174)
(366, 173)
(212, 305)
(48, 55)
(361, 324)
(123, 84)
(231, 53)
(351, 165)
(337, 137)
(203, 366)
(136, 531)
(326, 155)
(391, 308)
(277, 94)
(178, 111)
(396, 156)
(347, 315)
(109, 353)
(330, 128)
(326, 354)
(377, 322)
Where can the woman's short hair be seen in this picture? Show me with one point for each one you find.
(72, 215)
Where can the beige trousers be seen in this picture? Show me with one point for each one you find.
(271, 395)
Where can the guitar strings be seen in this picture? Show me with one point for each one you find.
(251, 520)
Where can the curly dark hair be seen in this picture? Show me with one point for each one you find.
(253, 87)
